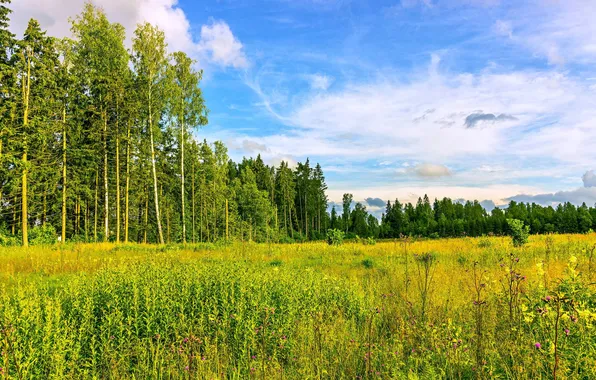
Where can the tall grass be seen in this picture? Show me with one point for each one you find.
(476, 308)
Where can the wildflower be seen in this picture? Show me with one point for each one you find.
(185, 340)
(254, 357)
(567, 332)
(537, 345)
(547, 298)
(186, 368)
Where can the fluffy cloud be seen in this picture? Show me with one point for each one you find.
(250, 146)
(224, 49)
(589, 179)
(431, 170)
(217, 44)
(425, 170)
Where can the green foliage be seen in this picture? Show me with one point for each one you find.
(7, 239)
(43, 235)
(368, 263)
(252, 310)
(276, 263)
(335, 237)
(369, 241)
(485, 242)
(518, 231)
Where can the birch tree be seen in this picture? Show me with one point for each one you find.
(150, 64)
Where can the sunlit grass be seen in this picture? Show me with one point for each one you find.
(309, 310)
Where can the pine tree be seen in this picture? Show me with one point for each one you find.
(35, 61)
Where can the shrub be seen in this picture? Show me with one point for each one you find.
(335, 237)
(485, 242)
(519, 232)
(368, 263)
(286, 240)
(42, 235)
(369, 241)
(7, 239)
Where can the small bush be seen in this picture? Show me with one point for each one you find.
(42, 235)
(462, 260)
(7, 239)
(369, 241)
(275, 263)
(434, 235)
(519, 232)
(368, 263)
(485, 242)
(335, 237)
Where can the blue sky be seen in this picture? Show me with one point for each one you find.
(476, 99)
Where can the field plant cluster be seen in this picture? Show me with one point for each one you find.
(452, 308)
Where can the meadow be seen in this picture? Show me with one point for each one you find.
(450, 308)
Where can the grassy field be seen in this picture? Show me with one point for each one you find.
(457, 308)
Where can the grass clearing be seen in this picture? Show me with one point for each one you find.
(452, 308)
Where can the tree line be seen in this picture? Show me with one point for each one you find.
(448, 218)
(96, 143)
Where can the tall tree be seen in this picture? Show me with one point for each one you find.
(346, 203)
(35, 60)
(7, 81)
(189, 111)
(150, 63)
(100, 61)
(65, 103)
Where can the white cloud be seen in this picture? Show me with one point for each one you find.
(540, 126)
(432, 170)
(250, 146)
(218, 40)
(425, 170)
(217, 44)
(319, 81)
(384, 118)
(560, 31)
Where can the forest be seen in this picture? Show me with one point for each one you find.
(99, 142)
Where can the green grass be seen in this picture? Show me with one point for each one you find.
(300, 311)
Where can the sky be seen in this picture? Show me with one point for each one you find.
(491, 100)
